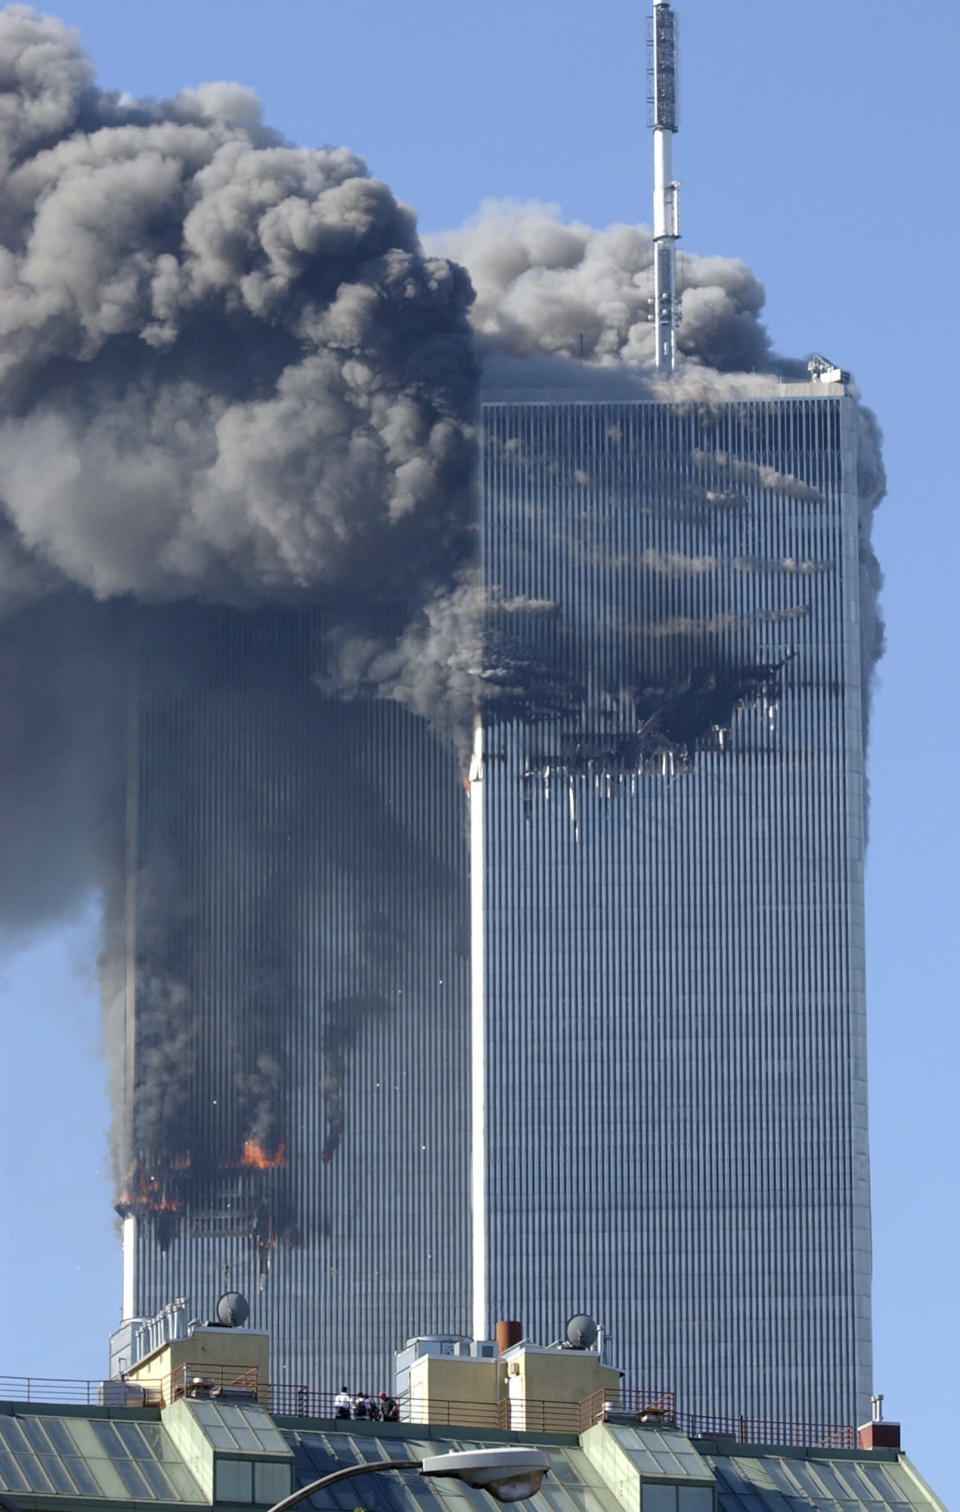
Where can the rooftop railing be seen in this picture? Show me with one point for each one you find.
(525, 1415)
(72, 1392)
(235, 1383)
(647, 1408)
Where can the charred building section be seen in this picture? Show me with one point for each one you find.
(668, 893)
(295, 1027)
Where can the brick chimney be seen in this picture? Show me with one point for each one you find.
(878, 1434)
(508, 1333)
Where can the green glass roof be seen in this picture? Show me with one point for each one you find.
(237, 1427)
(774, 1483)
(89, 1456)
(573, 1484)
(116, 1456)
(660, 1451)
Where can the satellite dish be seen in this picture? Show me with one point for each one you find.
(581, 1331)
(233, 1310)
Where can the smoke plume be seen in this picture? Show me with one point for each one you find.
(545, 288)
(232, 375)
(242, 374)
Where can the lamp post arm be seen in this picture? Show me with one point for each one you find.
(344, 1474)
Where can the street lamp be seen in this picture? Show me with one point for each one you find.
(508, 1474)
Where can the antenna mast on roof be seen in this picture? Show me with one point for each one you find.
(666, 191)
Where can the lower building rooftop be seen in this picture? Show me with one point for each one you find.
(204, 1451)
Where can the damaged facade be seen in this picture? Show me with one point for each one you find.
(668, 894)
(297, 1130)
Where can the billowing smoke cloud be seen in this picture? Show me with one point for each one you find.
(231, 374)
(546, 288)
(242, 373)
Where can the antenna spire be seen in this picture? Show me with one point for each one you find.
(666, 191)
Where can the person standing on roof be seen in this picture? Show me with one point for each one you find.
(342, 1403)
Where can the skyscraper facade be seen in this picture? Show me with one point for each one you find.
(295, 1018)
(667, 842)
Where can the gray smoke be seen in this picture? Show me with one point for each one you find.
(872, 486)
(469, 648)
(546, 288)
(227, 371)
(231, 374)
(242, 373)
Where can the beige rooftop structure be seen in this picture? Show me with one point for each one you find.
(231, 1359)
(526, 1387)
(210, 1430)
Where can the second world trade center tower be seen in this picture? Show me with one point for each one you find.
(667, 882)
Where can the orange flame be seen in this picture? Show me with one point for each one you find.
(257, 1158)
(149, 1197)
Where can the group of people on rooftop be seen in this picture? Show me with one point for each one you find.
(362, 1407)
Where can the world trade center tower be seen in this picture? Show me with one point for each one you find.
(667, 850)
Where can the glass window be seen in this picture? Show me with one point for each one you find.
(13, 1436)
(270, 1440)
(56, 1473)
(34, 1471)
(84, 1438)
(129, 1473)
(33, 1432)
(157, 1480)
(81, 1477)
(658, 1498)
(271, 1482)
(233, 1481)
(183, 1483)
(154, 1438)
(133, 1440)
(11, 1474)
(245, 1438)
(695, 1499)
(107, 1478)
(110, 1440)
(59, 1437)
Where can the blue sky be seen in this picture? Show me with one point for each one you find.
(818, 143)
